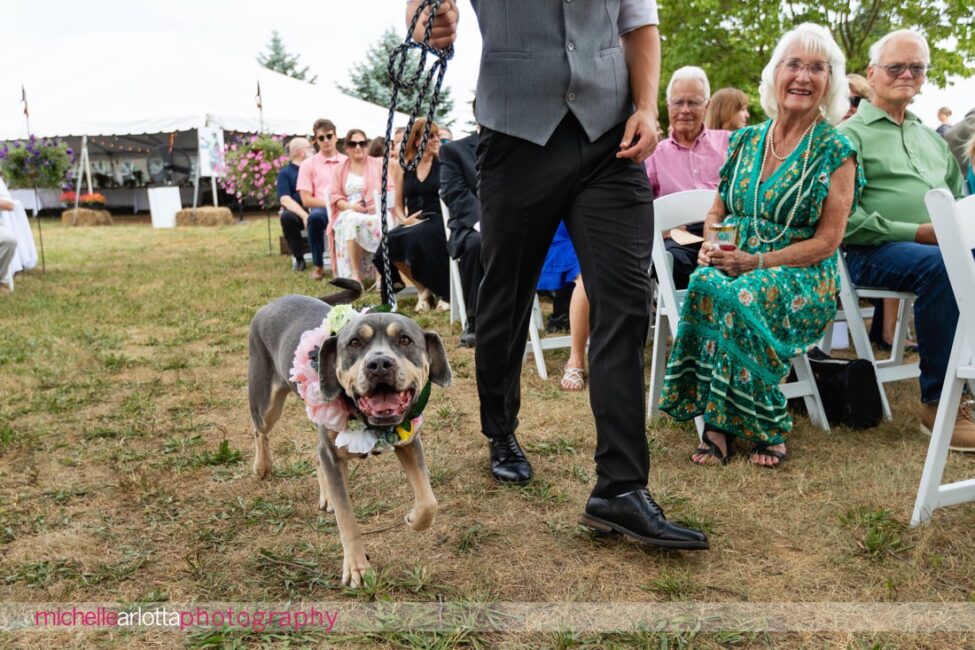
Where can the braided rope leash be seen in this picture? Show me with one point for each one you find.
(421, 79)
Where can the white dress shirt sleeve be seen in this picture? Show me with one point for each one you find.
(635, 14)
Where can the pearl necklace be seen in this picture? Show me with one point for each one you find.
(771, 144)
(802, 178)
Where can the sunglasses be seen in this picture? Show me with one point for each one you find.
(327, 136)
(895, 70)
(855, 101)
(352, 144)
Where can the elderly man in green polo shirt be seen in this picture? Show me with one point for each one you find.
(890, 241)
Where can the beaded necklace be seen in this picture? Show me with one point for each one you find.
(761, 172)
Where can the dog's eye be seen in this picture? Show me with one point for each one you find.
(405, 340)
(355, 343)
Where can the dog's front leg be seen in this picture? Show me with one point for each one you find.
(425, 503)
(354, 562)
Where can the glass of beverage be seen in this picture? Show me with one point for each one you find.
(723, 235)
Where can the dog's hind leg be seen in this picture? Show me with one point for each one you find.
(425, 503)
(263, 423)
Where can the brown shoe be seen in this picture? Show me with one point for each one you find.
(963, 435)
(317, 273)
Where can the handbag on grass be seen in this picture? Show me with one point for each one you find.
(848, 389)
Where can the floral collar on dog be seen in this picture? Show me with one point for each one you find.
(339, 414)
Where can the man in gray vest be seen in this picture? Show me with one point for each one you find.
(567, 104)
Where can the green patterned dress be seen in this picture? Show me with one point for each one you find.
(737, 336)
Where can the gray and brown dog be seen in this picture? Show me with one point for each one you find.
(379, 363)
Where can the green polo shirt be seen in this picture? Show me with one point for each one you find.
(901, 163)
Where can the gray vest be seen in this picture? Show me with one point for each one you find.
(542, 58)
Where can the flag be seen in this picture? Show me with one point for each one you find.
(260, 104)
(23, 98)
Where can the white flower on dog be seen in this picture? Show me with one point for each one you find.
(358, 438)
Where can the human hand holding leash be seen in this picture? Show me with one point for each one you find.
(444, 31)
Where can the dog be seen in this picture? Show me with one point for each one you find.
(379, 367)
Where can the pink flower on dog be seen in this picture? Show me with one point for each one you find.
(333, 414)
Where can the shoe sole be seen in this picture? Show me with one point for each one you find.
(962, 450)
(504, 482)
(604, 526)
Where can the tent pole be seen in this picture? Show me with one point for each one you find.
(79, 180)
(213, 186)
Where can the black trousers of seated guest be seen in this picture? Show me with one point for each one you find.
(685, 261)
(291, 226)
(471, 272)
(607, 204)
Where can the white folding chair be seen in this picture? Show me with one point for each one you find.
(954, 223)
(673, 211)
(7, 222)
(537, 344)
(892, 368)
(458, 308)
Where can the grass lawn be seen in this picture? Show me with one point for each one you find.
(125, 450)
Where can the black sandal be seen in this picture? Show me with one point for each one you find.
(765, 450)
(711, 448)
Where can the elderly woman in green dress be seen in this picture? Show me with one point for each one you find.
(788, 185)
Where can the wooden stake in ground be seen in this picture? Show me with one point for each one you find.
(268, 214)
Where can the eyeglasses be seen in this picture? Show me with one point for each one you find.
(692, 104)
(352, 144)
(895, 70)
(327, 136)
(855, 101)
(815, 69)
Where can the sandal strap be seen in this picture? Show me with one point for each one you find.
(711, 447)
(764, 450)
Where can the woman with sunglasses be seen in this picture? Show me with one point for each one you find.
(859, 90)
(355, 223)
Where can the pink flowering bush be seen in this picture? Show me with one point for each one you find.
(252, 168)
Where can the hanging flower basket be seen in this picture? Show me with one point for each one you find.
(252, 169)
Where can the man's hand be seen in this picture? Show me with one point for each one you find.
(444, 31)
(925, 234)
(640, 137)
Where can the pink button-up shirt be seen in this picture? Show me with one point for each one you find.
(675, 168)
(318, 173)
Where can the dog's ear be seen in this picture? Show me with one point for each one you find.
(327, 360)
(439, 368)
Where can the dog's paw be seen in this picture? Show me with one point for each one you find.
(262, 468)
(354, 568)
(325, 505)
(421, 518)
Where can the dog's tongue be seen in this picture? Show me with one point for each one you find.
(386, 402)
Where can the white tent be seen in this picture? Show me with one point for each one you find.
(959, 96)
(132, 83)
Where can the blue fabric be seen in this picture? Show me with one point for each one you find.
(971, 180)
(288, 182)
(317, 221)
(909, 266)
(561, 264)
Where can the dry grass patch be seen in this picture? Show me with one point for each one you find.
(125, 453)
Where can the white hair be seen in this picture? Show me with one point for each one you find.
(878, 48)
(690, 72)
(817, 40)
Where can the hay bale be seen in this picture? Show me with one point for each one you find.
(86, 217)
(205, 217)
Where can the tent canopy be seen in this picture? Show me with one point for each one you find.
(92, 84)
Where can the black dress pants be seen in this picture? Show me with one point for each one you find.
(471, 272)
(607, 204)
(291, 226)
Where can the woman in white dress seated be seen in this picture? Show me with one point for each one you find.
(355, 225)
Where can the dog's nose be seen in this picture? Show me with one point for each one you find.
(381, 367)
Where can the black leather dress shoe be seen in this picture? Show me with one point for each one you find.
(467, 338)
(508, 462)
(636, 516)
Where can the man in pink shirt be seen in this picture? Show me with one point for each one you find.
(315, 176)
(690, 159)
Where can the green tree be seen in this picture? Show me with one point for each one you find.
(733, 39)
(277, 58)
(369, 79)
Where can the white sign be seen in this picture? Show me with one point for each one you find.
(211, 152)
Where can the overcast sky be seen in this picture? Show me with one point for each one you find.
(329, 35)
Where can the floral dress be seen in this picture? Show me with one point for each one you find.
(363, 228)
(737, 336)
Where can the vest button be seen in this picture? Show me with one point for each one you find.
(572, 47)
(571, 97)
